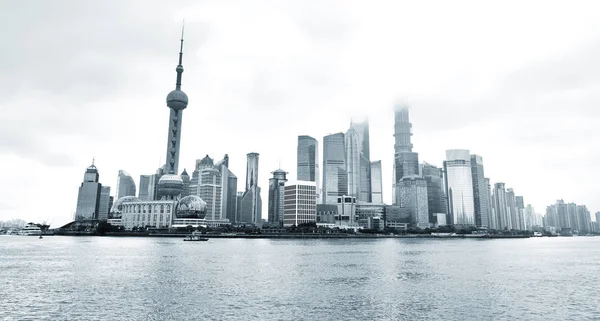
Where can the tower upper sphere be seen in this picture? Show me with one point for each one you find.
(177, 99)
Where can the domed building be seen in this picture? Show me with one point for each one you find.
(117, 209)
(190, 210)
(170, 186)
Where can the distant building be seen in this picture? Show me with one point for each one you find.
(125, 185)
(366, 212)
(146, 187)
(104, 206)
(335, 176)
(346, 211)
(300, 203)
(406, 162)
(185, 177)
(480, 192)
(209, 190)
(412, 195)
(364, 162)
(376, 183)
(276, 197)
(436, 200)
(459, 187)
(326, 213)
(511, 203)
(500, 208)
(88, 198)
(251, 204)
(308, 160)
(353, 162)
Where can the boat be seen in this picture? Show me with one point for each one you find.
(537, 234)
(195, 238)
(30, 229)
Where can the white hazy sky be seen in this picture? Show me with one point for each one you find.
(517, 82)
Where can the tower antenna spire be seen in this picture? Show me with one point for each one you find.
(179, 68)
(93, 160)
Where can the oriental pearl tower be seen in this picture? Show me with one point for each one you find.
(170, 185)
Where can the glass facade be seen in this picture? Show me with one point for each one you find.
(335, 177)
(251, 205)
(459, 187)
(88, 199)
(436, 200)
(276, 197)
(412, 195)
(125, 185)
(308, 160)
(480, 194)
(353, 162)
(376, 183)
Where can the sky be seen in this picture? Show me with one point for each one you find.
(517, 82)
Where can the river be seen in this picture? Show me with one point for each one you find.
(128, 278)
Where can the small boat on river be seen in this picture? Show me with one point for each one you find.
(195, 238)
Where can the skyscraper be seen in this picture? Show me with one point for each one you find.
(364, 167)
(492, 220)
(412, 195)
(520, 203)
(88, 199)
(406, 162)
(353, 162)
(210, 190)
(335, 177)
(145, 192)
(125, 185)
(436, 200)
(228, 189)
(104, 205)
(185, 177)
(459, 187)
(308, 160)
(276, 199)
(251, 204)
(480, 192)
(511, 203)
(501, 212)
(376, 183)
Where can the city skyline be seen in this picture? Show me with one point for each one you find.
(485, 106)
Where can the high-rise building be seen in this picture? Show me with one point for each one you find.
(308, 160)
(228, 190)
(500, 207)
(412, 195)
(376, 183)
(406, 162)
(88, 199)
(335, 177)
(185, 177)
(145, 191)
(353, 162)
(276, 196)
(238, 207)
(209, 191)
(435, 192)
(170, 185)
(125, 185)
(364, 161)
(520, 203)
(511, 202)
(300, 203)
(459, 187)
(231, 198)
(480, 192)
(492, 220)
(583, 220)
(104, 206)
(251, 205)
(201, 164)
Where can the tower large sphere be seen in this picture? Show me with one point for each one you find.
(177, 100)
(170, 185)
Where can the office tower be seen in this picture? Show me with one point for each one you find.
(104, 205)
(353, 162)
(551, 217)
(572, 212)
(376, 183)
(88, 199)
(562, 216)
(406, 162)
(511, 204)
(228, 189)
(300, 203)
(335, 177)
(530, 219)
(276, 199)
(251, 205)
(436, 200)
(145, 191)
(480, 192)
(185, 177)
(210, 191)
(125, 185)
(501, 212)
(308, 160)
(364, 161)
(200, 165)
(520, 203)
(238, 207)
(412, 195)
(459, 187)
(170, 185)
(583, 220)
(492, 220)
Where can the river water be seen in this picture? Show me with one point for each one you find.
(105, 278)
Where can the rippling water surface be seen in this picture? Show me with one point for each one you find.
(102, 278)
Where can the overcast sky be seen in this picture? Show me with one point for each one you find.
(517, 82)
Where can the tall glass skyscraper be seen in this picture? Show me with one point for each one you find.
(308, 160)
(276, 199)
(364, 171)
(480, 194)
(125, 185)
(412, 195)
(88, 199)
(435, 194)
(406, 162)
(376, 183)
(104, 206)
(251, 204)
(459, 187)
(353, 162)
(335, 177)
(500, 207)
